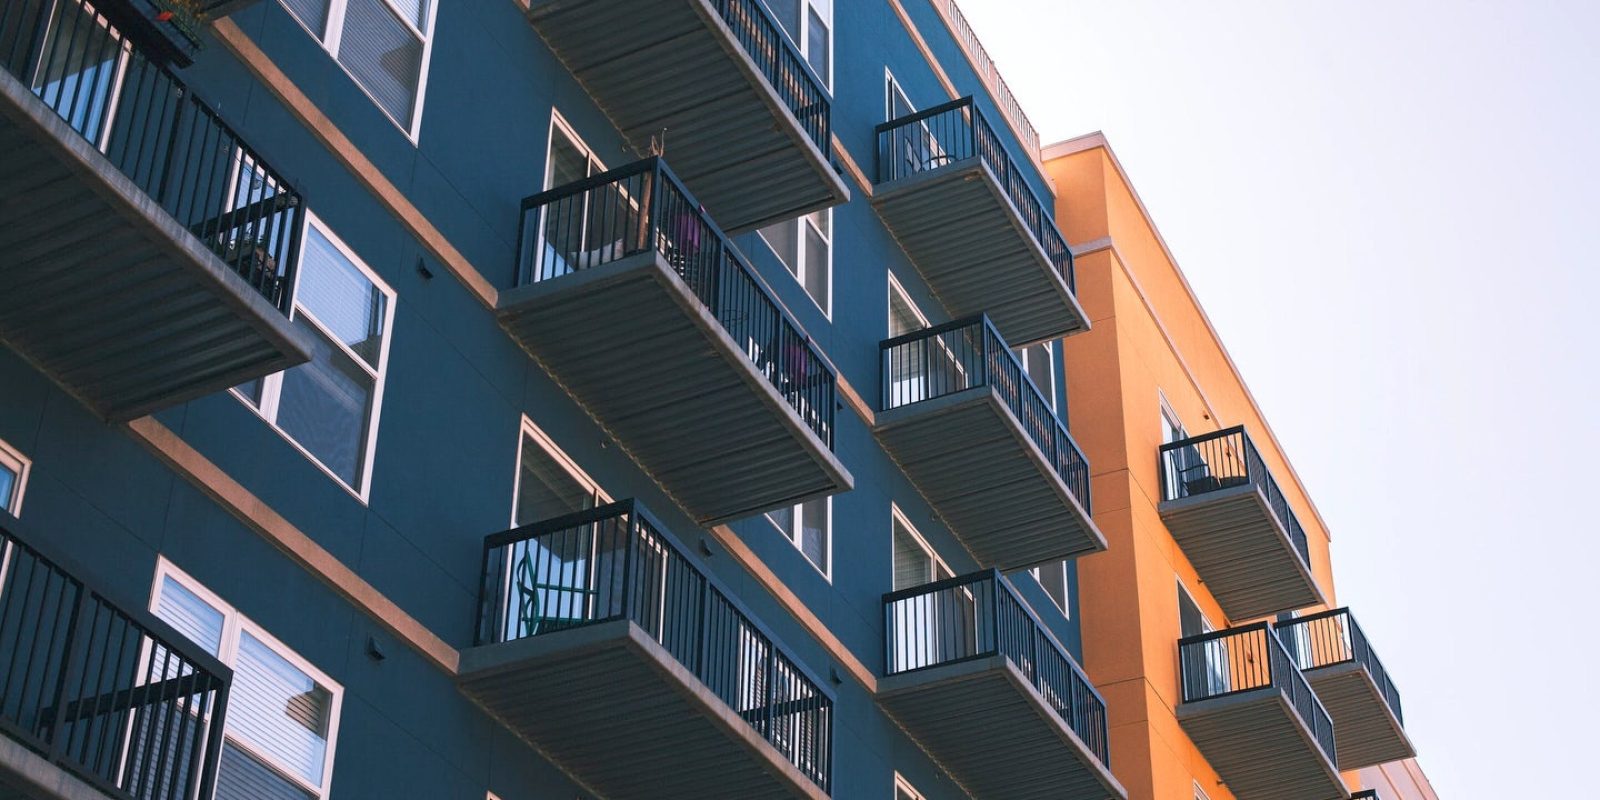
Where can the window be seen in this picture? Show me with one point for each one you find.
(915, 563)
(809, 24)
(329, 406)
(809, 526)
(549, 484)
(590, 232)
(903, 789)
(896, 103)
(904, 316)
(1039, 361)
(805, 246)
(283, 714)
(383, 44)
(13, 479)
(1053, 577)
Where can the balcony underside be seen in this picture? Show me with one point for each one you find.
(1366, 732)
(1260, 748)
(613, 709)
(994, 733)
(634, 346)
(674, 64)
(107, 294)
(967, 240)
(26, 775)
(1241, 552)
(969, 457)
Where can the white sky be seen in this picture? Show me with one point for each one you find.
(1389, 210)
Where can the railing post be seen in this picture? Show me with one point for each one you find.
(172, 145)
(70, 668)
(994, 609)
(629, 532)
(770, 689)
(703, 644)
(212, 761)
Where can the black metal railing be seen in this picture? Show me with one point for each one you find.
(614, 563)
(782, 65)
(1366, 794)
(113, 695)
(156, 131)
(1222, 460)
(954, 132)
(1237, 660)
(979, 616)
(1334, 637)
(967, 353)
(643, 207)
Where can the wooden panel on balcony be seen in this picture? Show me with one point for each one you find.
(681, 67)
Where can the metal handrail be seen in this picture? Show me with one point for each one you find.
(952, 133)
(780, 62)
(1246, 659)
(1223, 460)
(644, 207)
(616, 562)
(113, 90)
(967, 353)
(111, 693)
(1334, 637)
(981, 615)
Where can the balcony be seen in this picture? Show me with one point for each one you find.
(961, 208)
(635, 302)
(96, 700)
(146, 251)
(1368, 794)
(604, 644)
(1350, 680)
(962, 419)
(1233, 522)
(985, 689)
(1255, 718)
(746, 121)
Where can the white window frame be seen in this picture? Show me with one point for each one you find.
(797, 517)
(330, 40)
(272, 385)
(1199, 793)
(895, 288)
(899, 516)
(12, 460)
(903, 785)
(802, 39)
(1025, 354)
(891, 87)
(234, 625)
(1064, 605)
(531, 432)
(801, 226)
(560, 123)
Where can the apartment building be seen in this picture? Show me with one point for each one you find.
(583, 398)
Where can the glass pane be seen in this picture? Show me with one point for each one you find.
(903, 318)
(899, 104)
(1039, 358)
(325, 406)
(414, 10)
(788, 14)
(242, 776)
(814, 532)
(1053, 577)
(383, 55)
(8, 487)
(817, 274)
(341, 297)
(545, 489)
(784, 240)
(817, 43)
(912, 564)
(192, 616)
(280, 710)
(78, 71)
(312, 13)
(784, 519)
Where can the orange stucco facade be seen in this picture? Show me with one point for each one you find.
(1151, 342)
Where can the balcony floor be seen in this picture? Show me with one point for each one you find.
(674, 64)
(995, 734)
(969, 457)
(1366, 733)
(635, 347)
(105, 292)
(965, 237)
(26, 775)
(1241, 552)
(1260, 748)
(612, 708)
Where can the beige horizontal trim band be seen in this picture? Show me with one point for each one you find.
(258, 516)
(229, 33)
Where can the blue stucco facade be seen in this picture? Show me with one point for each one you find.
(457, 388)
